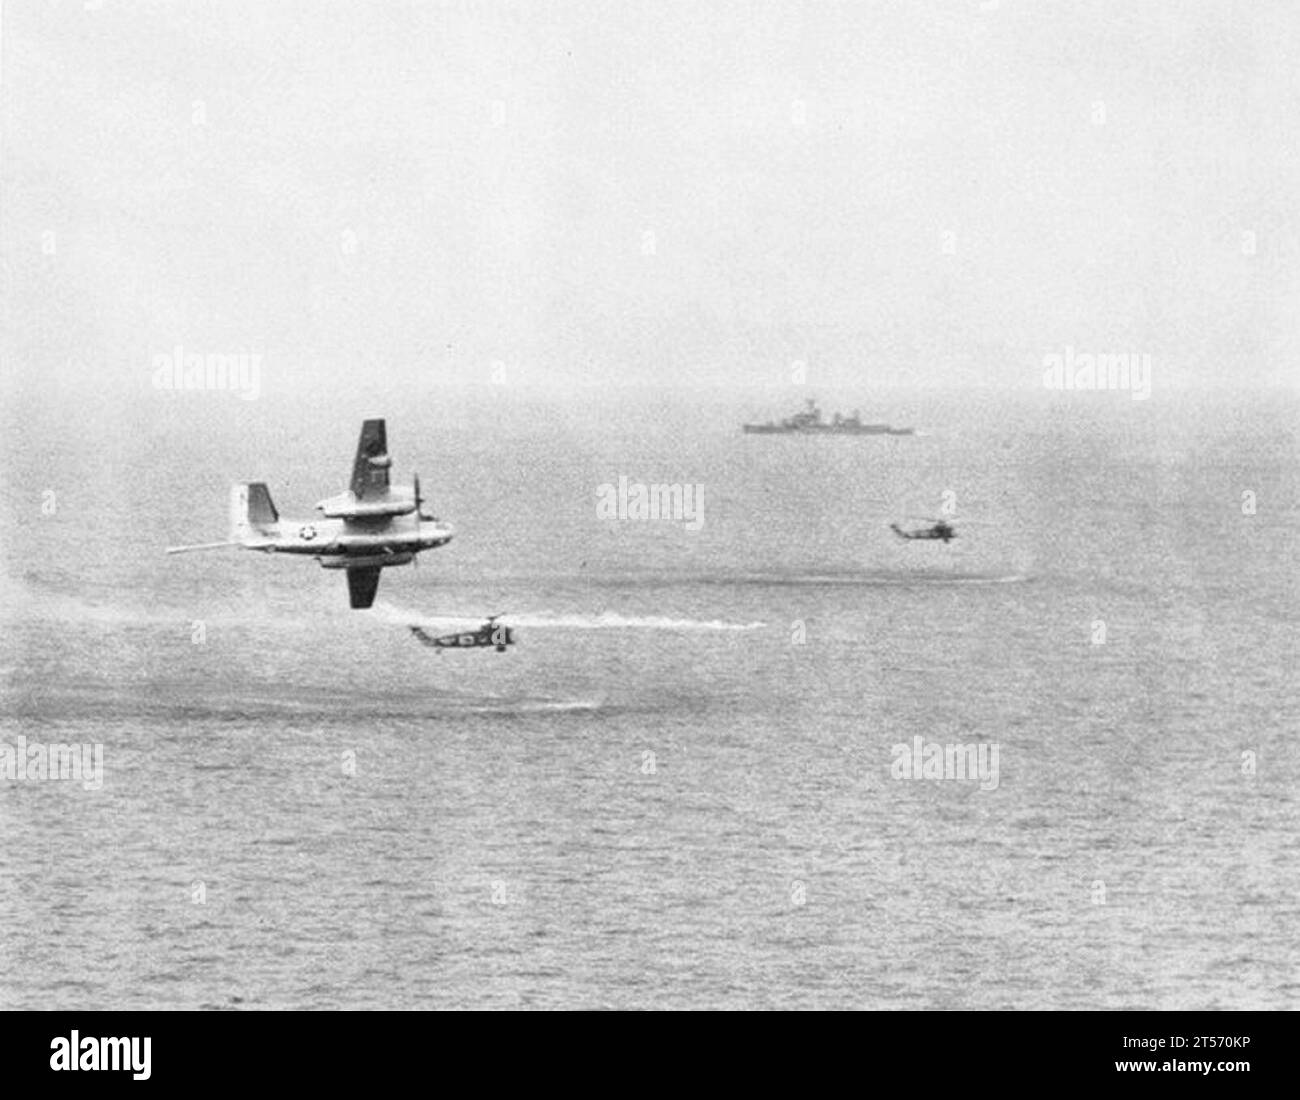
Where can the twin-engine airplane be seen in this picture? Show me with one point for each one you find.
(364, 529)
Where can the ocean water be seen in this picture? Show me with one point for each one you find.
(677, 789)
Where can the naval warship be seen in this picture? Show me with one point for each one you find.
(810, 422)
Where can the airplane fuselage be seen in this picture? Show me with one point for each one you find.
(340, 543)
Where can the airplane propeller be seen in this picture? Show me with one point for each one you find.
(415, 488)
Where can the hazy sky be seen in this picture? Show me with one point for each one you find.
(687, 193)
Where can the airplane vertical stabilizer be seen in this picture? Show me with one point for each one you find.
(251, 511)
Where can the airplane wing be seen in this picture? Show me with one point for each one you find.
(363, 583)
(370, 467)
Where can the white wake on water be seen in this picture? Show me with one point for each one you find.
(537, 706)
(913, 579)
(608, 620)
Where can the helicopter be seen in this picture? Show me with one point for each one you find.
(939, 529)
(489, 634)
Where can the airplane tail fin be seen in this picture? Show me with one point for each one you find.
(252, 519)
(252, 514)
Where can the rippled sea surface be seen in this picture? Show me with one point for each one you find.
(677, 790)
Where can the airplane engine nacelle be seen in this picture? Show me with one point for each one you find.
(363, 561)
